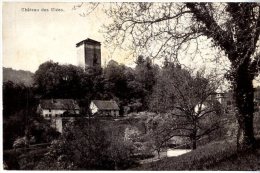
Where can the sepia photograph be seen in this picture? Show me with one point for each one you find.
(137, 86)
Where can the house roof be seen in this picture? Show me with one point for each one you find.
(64, 104)
(106, 104)
(88, 40)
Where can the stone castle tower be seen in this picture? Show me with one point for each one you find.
(89, 53)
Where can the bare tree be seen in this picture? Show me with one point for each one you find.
(195, 111)
(172, 28)
(197, 107)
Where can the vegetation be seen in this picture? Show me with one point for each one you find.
(248, 161)
(189, 100)
(18, 76)
(203, 158)
(230, 29)
(135, 90)
(18, 106)
(181, 99)
(85, 145)
(217, 155)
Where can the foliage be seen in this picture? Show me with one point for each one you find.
(163, 96)
(16, 97)
(20, 143)
(170, 29)
(26, 125)
(239, 162)
(10, 159)
(129, 87)
(189, 100)
(145, 77)
(28, 160)
(18, 107)
(41, 130)
(61, 81)
(159, 132)
(85, 145)
(116, 79)
(13, 127)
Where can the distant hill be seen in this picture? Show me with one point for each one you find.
(17, 76)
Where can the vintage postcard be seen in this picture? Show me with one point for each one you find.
(131, 86)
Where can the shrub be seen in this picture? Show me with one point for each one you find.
(85, 145)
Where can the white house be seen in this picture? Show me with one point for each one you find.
(104, 108)
(50, 108)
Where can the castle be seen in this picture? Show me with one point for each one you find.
(89, 53)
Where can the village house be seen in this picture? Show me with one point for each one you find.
(224, 98)
(227, 101)
(108, 108)
(58, 111)
(51, 108)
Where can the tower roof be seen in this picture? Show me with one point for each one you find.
(89, 41)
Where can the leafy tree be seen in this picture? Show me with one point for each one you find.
(159, 132)
(19, 115)
(163, 98)
(170, 28)
(128, 86)
(13, 127)
(116, 79)
(62, 81)
(41, 131)
(16, 97)
(18, 107)
(145, 73)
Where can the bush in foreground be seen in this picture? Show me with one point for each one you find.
(85, 145)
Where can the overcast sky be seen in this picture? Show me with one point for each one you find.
(31, 38)
(34, 37)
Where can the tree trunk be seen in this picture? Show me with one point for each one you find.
(116, 167)
(194, 144)
(244, 102)
(158, 152)
(193, 138)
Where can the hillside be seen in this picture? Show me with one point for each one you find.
(218, 155)
(17, 76)
(247, 161)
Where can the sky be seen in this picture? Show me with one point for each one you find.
(34, 33)
(34, 37)
(31, 38)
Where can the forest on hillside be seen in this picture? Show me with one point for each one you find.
(17, 76)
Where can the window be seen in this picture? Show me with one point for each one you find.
(49, 110)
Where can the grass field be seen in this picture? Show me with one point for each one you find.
(248, 161)
(219, 155)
